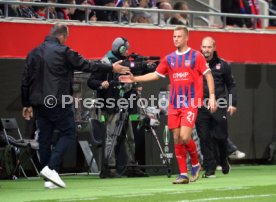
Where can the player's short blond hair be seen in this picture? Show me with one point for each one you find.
(185, 29)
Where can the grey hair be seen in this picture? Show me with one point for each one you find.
(59, 29)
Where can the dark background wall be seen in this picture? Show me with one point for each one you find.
(252, 128)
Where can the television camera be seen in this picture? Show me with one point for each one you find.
(140, 65)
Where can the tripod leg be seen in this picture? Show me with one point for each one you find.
(108, 160)
(114, 136)
(114, 130)
(130, 142)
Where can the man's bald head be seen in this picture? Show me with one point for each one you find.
(209, 40)
(208, 47)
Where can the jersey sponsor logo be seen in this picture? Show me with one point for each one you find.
(181, 75)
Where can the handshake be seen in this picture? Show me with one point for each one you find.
(118, 68)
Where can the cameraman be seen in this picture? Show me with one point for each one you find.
(108, 87)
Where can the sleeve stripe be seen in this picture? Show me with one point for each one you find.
(206, 71)
(161, 75)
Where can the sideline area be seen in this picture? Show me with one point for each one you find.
(244, 183)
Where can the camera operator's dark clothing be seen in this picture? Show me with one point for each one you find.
(114, 141)
(212, 128)
(49, 70)
(113, 91)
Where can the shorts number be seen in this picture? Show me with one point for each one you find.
(191, 116)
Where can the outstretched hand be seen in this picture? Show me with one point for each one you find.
(129, 78)
(117, 68)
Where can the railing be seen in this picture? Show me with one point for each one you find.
(203, 19)
(192, 14)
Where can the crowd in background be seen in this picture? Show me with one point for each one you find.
(230, 6)
(272, 11)
(244, 7)
(25, 11)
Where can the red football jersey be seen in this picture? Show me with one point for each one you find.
(186, 72)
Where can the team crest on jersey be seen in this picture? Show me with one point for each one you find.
(172, 64)
(187, 63)
(218, 66)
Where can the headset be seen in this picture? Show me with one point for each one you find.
(123, 48)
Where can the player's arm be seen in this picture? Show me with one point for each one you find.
(211, 86)
(147, 77)
(161, 71)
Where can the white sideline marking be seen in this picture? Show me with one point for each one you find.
(231, 188)
(229, 198)
(165, 189)
(132, 195)
(77, 199)
(185, 192)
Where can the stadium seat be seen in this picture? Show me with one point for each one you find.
(26, 147)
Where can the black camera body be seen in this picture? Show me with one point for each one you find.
(140, 65)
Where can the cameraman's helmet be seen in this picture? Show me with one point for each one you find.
(120, 46)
